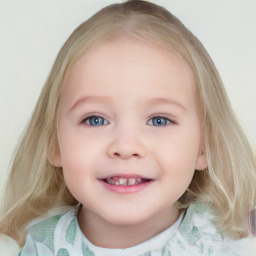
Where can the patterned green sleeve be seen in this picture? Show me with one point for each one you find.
(40, 240)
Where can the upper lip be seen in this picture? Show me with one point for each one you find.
(126, 176)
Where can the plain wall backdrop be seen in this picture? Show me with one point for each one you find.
(32, 32)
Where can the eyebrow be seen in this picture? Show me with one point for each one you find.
(104, 99)
(89, 99)
(166, 101)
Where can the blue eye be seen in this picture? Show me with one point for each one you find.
(95, 121)
(159, 121)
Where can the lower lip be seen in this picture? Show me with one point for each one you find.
(122, 189)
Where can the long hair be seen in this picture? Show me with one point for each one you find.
(35, 186)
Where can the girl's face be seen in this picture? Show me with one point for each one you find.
(129, 132)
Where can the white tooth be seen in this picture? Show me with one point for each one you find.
(138, 180)
(131, 181)
(123, 181)
(117, 183)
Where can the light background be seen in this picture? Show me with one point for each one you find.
(32, 32)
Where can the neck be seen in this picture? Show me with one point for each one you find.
(108, 235)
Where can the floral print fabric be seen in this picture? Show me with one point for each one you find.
(195, 236)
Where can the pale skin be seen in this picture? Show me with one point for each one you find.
(128, 109)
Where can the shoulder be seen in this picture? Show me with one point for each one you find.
(45, 236)
(197, 223)
(198, 233)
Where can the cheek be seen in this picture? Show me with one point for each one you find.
(178, 154)
(181, 148)
(177, 170)
(73, 158)
(77, 163)
(75, 147)
(80, 156)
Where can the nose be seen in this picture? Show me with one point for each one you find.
(125, 147)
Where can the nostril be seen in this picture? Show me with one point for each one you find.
(116, 154)
(125, 150)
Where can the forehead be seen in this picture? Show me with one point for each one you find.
(129, 64)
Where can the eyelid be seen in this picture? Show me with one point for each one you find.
(90, 115)
(168, 117)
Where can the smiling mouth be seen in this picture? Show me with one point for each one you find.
(121, 181)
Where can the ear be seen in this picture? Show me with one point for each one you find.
(54, 155)
(201, 162)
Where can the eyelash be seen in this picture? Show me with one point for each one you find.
(99, 119)
(159, 121)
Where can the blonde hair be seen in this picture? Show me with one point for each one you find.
(35, 186)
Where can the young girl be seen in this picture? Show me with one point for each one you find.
(133, 148)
